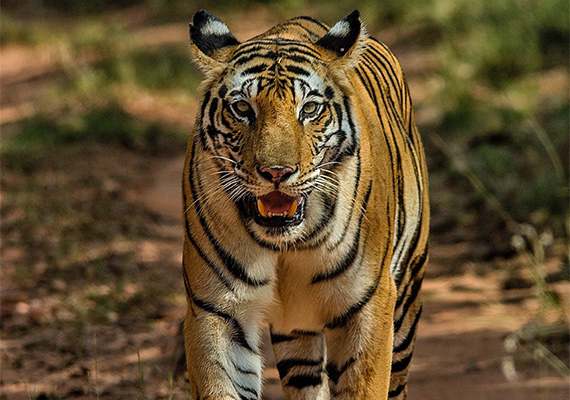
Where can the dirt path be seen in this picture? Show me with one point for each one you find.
(460, 351)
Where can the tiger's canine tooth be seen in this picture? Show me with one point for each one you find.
(261, 208)
(292, 209)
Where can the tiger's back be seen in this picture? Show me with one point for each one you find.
(305, 197)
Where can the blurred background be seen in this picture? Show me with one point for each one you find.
(97, 102)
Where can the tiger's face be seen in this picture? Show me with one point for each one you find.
(277, 126)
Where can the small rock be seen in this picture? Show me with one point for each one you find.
(21, 308)
(40, 267)
(516, 282)
(65, 315)
(59, 284)
(76, 391)
(472, 367)
(112, 316)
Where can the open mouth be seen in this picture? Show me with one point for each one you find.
(276, 209)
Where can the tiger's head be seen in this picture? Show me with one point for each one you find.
(277, 117)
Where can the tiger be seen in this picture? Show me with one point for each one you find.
(306, 209)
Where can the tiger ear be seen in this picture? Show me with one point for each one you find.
(211, 40)
(342, 39)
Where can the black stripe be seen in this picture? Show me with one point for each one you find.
(255, 70)
(397, 391)
(279, 338)
(295, 46)
(201, 131)
(284, 366)
(213, 109)
(223, 91)
(228, 125)
(286, 51)
(411, 249)
(417, 233)
(416, 266)
(186, 281)
(205, 102)
(306, 333)
(198, 249)
(398, 120)
(299, 59)
(341, 320)
(309, 34)
(267, 43)
(377, 54)
(304, 380)
(398, 184)
(297, 70)
(400, 365)
(314, 21)
(374, 73)
(243, 371)
(411, 333)
(352, 148)
(209, 262)
(335, 372)
(224, 370)
(348, 261)
(330, 207)
(238, 334)
(384, 70)
(361, 74)
(235, 268)
(356, 186)
(384, 128)
(409, 301)
(247, 390)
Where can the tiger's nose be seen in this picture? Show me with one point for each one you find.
(276, 174)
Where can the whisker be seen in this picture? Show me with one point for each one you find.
(225, 158)
(327, 163)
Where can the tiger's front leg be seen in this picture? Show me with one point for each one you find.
(221, 338)
(301, 357)
(360, 348)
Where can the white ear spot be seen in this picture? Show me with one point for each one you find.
(215, 27)
(341, 28)
(343, 35)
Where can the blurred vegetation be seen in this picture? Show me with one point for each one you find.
(491, 57)
(496, 137)
(496, 109)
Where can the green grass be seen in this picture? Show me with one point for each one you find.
(14, 31)
(109, 124)
(69, 217)
(491, 55)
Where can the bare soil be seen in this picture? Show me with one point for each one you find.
(460, 351)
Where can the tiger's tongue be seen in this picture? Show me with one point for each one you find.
(277, 203)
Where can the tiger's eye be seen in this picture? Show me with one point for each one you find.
(241, 106)
(309, 108)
